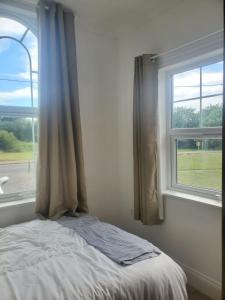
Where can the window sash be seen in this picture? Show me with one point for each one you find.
(197, 98)
(205, 131)
(198, 132)
(203, 192)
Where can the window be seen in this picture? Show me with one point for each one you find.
(195, 129)
(18, 109)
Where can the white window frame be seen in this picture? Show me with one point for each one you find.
(174, 133)
(16, 111)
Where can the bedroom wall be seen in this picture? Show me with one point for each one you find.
(191, 232)
(97, 75)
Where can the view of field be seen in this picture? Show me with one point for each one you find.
(200, 168)
(16, 156)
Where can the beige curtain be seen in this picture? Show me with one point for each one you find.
(60, 170)
(147, 196)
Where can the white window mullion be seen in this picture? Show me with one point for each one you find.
(195, 131)
(201, 97)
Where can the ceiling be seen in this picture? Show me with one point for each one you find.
(117, 15)
(112, 16)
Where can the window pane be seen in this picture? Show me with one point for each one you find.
(14, 93)
(199, 163)
(14, 61)
(186, 85)
(186, 114)
(30, 41)
(212, 108)
(15, 76)
(11, 28)
(212, 79)
(18, 144)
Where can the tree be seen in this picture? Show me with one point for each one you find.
(188, 118)
(212, 115)
(20, 127)
(8, 142)
(185, 118)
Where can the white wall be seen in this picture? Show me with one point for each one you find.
(97, 74)
(191, 232)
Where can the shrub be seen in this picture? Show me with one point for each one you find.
(8, 142)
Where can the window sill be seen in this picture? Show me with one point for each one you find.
(16, 203)
(184, 196)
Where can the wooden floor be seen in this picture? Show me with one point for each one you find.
(194, 295)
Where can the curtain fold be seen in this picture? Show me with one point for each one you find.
(147, 197)
(60, 168)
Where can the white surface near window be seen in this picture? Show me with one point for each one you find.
(18, 110)
(195, 129)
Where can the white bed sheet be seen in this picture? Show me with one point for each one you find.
(42, 260)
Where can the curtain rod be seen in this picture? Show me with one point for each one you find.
(186, 44)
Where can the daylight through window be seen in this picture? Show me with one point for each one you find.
(196, 129)
(18, 109)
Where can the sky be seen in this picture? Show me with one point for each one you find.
(14, 65)
(186, 85)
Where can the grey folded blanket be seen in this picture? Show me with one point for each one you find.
(120, 246)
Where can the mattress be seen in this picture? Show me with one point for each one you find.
(43, 260)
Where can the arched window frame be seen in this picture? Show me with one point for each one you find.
(19, 16)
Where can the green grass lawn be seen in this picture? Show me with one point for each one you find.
(200, 169)
(16, 156)
(25, 153)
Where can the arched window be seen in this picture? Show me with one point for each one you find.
(18, 109)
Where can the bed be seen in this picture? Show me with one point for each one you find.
(47, 260)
